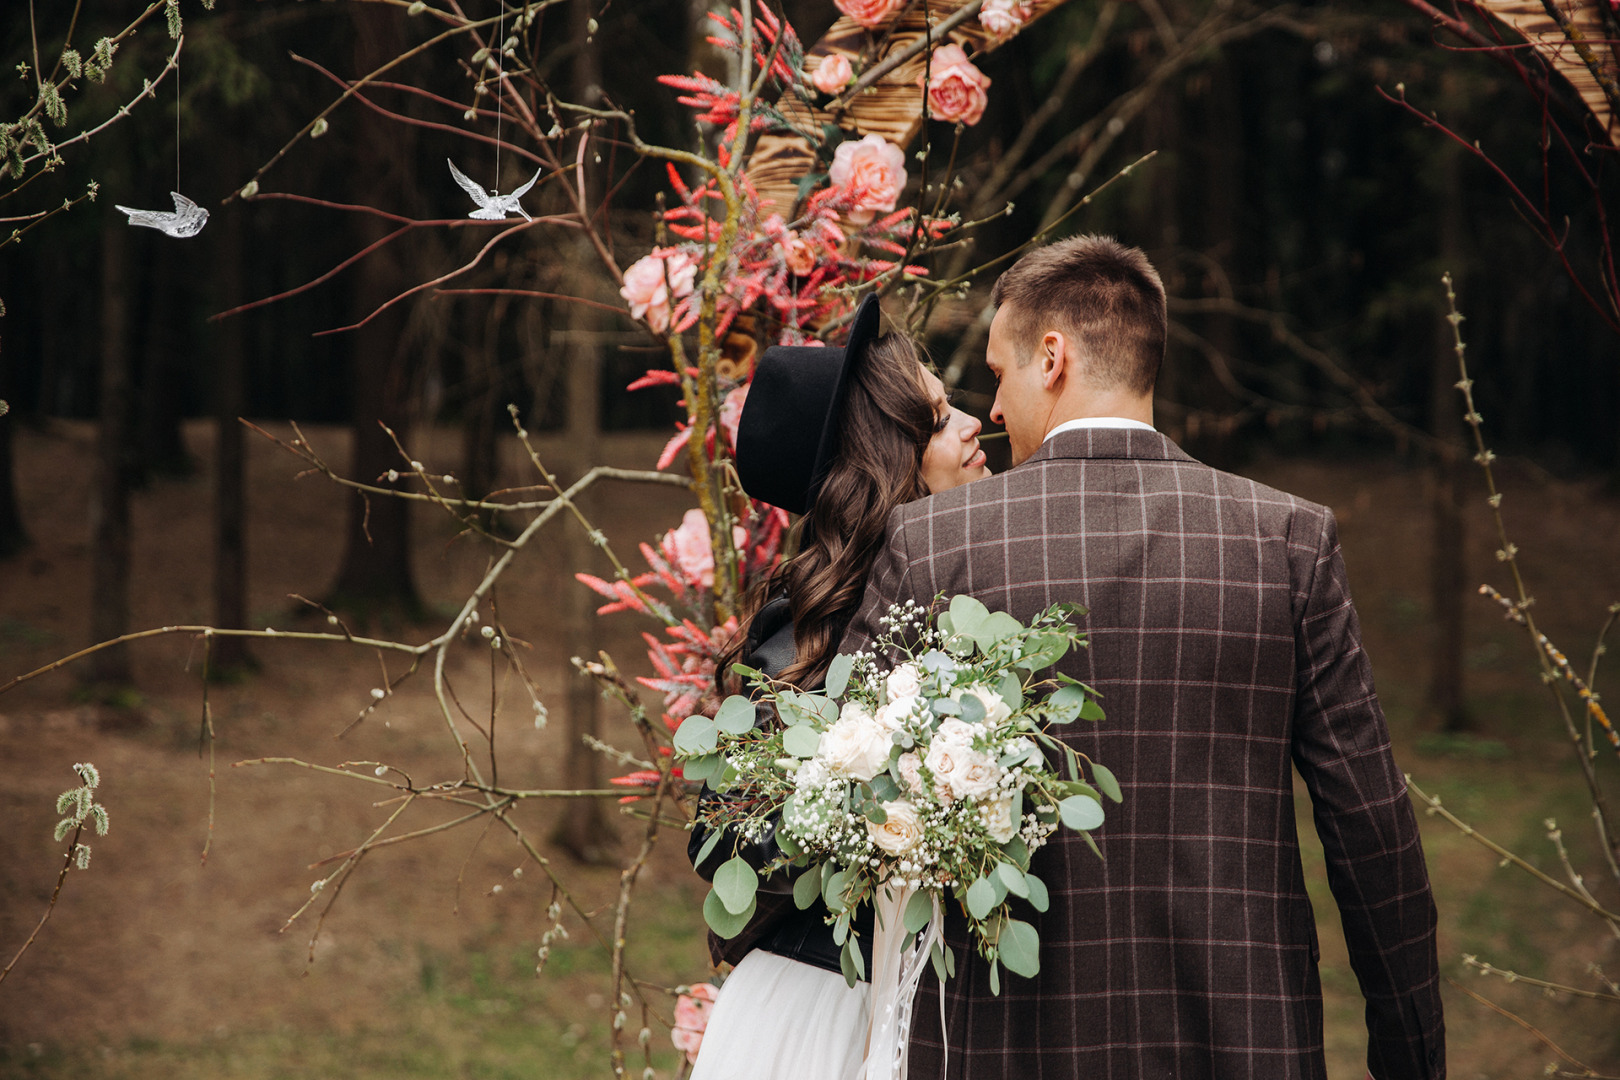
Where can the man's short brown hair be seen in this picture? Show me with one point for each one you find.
(1101, 295)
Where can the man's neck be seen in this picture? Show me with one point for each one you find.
(1099, 406)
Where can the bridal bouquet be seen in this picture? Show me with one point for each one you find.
(934, 778)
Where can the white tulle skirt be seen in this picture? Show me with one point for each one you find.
(779, 1019)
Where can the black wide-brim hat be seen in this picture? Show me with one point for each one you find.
(787, 436)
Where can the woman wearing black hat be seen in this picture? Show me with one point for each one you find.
(842, 437)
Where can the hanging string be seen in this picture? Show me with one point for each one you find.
(177, 118)
(500, 75)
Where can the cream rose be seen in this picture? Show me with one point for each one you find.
(910, 766)
(873, 170)
(956, 89)
(956, 731)
(893, 715)
(901, 832)
(998, 819)
(832, 74)
(995, 710)
(654, 282)
(942, 760)
(904, 681)
(870, 13)
(857, 745)
(976, 775)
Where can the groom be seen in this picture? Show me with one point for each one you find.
(1228, 654)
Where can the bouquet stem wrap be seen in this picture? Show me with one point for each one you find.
(896, 974)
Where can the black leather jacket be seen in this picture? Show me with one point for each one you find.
(778, 925)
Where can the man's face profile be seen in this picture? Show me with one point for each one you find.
(1020, 404)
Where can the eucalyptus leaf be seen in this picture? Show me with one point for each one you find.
(1019, 947)
(723, 922)
(919, 911)
(736, 715)
(696, 735)
(1081, 812)
(1016, 850)
(874, 812)
(832, 889)
(981, 898)
(848, 962)
(1064, 704)
(747, 672)
(1011, 689)
(967, 614)
(736, 883)
(884, 787)
(946, 707)
(972, 709)
(801, 741)
(838, 675)
(1013, 879)
(788, 843)
(806, 889)
(995, 978)
(841, 928)
(1092, 844)
(824, 709)
(1091, 710)
(997, 627)
(1038, 897)
(703, 768)
(937, 957)
(1106, 782)
(709, 844)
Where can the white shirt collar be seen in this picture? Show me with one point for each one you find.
(1099, 422)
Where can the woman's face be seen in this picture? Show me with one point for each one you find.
(953, 456)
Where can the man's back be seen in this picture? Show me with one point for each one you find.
(1225, 648)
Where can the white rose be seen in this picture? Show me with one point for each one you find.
(995, 709)
(958, 732)
(893, 715)
(904, 681)
(976, 775)
(901, 832)
(857, 746)
(911, 772)
(998, 820)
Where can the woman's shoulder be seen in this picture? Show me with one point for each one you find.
(770, 638)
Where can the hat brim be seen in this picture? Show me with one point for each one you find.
(862, 332)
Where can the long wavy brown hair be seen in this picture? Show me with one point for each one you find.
(885, 427)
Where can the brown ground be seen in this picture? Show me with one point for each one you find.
(151, 953)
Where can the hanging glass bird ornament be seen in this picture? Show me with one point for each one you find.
(188, 218)
(492, 205)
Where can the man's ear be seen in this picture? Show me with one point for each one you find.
(1054, 359)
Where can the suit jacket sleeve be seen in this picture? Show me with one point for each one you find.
(1374, 856)
(888, 583)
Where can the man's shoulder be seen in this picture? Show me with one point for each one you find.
(1057, 476)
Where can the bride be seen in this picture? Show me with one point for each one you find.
(842, 437)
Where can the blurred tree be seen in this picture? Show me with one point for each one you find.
(109, 670)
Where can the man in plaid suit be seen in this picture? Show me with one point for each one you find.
(1228, 654)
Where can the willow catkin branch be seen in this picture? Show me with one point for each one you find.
(1508, 553)
(56, 893)
(1532, 1029)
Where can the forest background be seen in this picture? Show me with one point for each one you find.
(1302, 219)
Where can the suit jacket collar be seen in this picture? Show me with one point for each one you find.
(1128, 443)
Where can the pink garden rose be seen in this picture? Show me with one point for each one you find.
(1004, 18)
(955, 87)
(692, 1011)
(648, 293)
(870, 13)
(833, 74)
(799, 253)
(874, 169)
(687, 548)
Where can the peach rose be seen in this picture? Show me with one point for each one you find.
(692, 1011)
(1004, 18)
(955, 87)
(687, 548)
(832, 74)
(870, 13)
(874, 170)
(655, 281)
(799, 253)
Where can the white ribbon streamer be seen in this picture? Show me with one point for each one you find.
(896, 973)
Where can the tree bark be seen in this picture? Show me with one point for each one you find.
(109, 669)
(583, 830)
(230, 655)
(160, 440)
(375, 579)
(1448, 568)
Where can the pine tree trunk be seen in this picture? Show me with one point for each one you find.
(583, 830)
(375, 579)
(109, 670)
(230, 654)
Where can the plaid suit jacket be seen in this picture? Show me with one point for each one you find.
(1224, 643)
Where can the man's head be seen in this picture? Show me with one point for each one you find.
(1079, 331)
